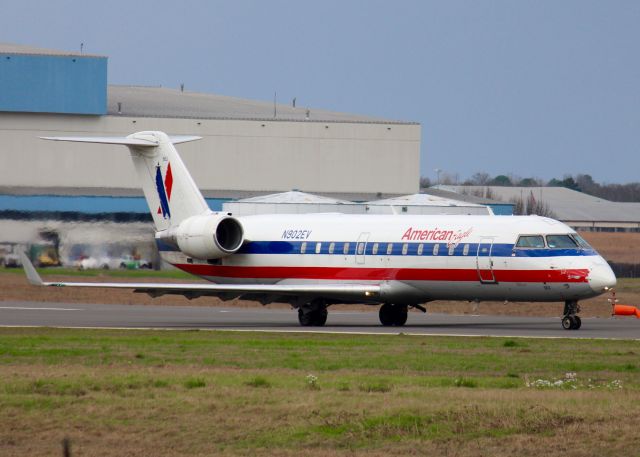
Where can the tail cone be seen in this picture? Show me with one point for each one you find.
(626, 310)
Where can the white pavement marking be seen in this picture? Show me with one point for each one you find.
(40, 309)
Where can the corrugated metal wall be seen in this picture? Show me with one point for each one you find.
(53, 84)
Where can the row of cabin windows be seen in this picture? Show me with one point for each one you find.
(375, 250)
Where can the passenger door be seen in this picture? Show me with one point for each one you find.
(361, 247)
(484, 261)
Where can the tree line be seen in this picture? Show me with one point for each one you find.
(581, 182)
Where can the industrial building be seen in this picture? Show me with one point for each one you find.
(295, 202)
(248, 147)
(576, 209)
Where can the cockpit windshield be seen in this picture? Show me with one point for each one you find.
(581, 241)
(561, 242)
(530, 241)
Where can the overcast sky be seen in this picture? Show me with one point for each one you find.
(531, 88)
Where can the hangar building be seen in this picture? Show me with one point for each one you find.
(248, 147)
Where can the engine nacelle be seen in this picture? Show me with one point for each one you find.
(209, 236)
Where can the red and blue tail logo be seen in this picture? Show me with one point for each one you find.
(164, 190)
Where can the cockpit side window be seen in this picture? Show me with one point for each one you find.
(561, 242)
(581, 241)
(530, 241)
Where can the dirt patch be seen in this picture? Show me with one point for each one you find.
(615, 247)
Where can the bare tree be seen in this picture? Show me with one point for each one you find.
(531, 205)
(479, 179)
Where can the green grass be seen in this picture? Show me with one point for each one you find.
(236, 393)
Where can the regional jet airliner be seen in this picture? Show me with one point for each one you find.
(312, 261)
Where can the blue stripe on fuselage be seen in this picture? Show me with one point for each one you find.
(294, 247)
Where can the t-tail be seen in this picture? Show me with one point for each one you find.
(169, 189)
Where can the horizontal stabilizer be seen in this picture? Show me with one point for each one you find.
(123, 140)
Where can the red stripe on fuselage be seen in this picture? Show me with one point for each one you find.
(382, 274)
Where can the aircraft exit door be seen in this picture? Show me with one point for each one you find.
(484, 261)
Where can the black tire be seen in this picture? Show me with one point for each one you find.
(305, 319)
(578, 322)
(320, 318)
(386, 315)
(312, 317)
(393, 315)
(401, 316)
(567, 323)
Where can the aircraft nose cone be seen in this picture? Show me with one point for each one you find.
(601, 278)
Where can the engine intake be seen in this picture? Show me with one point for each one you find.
(210, 236)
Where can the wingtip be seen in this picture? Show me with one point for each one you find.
(32, 275)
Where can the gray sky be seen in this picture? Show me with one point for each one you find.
(532, 88)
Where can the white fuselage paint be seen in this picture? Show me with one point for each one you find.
(431, 257)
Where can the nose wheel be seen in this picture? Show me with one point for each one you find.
(570, 319)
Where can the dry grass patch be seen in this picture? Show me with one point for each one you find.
(370, 395)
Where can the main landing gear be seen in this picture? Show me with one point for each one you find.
(570, 319)
(393, 315)
(313, 314)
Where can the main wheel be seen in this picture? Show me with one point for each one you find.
(568, 323)
(401, 316)
(386, 315)
(314, 317)
(305, 319)
(391, 314)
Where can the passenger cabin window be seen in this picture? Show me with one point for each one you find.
(332, 247)
(374, 251)
(436, 248)
(451, 249)
(318, 248)
(303, 247)
(465, 250)
(360, 248)
(345, 249)
(405, 249)
(530, 241)
(561, 242)
(420, 249)
(389, 248)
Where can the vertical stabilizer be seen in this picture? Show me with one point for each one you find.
(171, 193)
(169, 189)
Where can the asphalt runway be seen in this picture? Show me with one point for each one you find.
(263, 319)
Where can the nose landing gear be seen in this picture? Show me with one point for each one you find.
(570, 319)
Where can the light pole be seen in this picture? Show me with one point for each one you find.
(438, 170)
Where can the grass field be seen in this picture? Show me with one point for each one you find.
(171, 393)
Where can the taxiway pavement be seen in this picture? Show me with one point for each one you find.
(19, 313)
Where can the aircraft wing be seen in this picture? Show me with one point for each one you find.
(357, 292)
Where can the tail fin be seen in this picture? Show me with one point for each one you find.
(171, 193)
